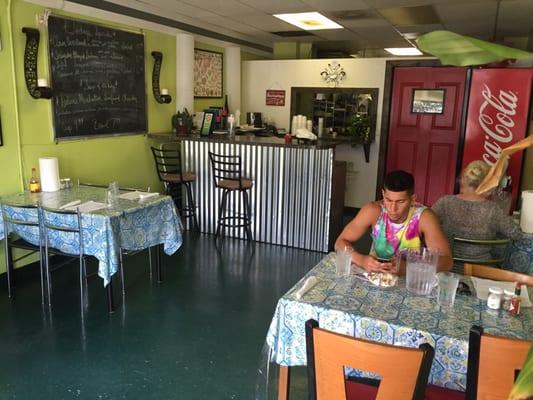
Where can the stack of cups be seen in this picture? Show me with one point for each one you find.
(309, 126)
(294, 124)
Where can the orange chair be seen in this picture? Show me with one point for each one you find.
(493, 363)
(497, 274)
(404, 371)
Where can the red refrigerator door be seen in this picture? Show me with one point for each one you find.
(498, 116)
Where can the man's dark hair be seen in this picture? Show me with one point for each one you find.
(399, 181)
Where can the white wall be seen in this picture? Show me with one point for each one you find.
(258, 76)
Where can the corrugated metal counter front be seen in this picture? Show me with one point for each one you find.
(291, 195)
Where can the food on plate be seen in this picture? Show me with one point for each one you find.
(384, 279)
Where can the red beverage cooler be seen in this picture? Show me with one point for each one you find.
(498, 109)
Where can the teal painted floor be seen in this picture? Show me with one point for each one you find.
(197, 335)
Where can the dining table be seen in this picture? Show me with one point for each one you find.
(130, 222)
(354, 306)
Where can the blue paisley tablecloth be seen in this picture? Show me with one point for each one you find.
(519, 254)
(354, 307)
(130, 225)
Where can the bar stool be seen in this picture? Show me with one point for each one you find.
(168, 166)
(227, 176)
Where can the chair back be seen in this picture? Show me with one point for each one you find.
(227, 168)
(404, 371)
(496, 274)
(167, 163)
(65, 224)
(493, 364)
(489, 243)
(22, 219)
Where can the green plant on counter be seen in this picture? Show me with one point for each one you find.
(182, 122)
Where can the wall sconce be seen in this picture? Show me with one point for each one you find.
(38, 88)
(161, 95)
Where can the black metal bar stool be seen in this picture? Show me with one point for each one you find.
(227, 176)
(168, 166)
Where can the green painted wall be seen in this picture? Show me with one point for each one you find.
(292, 50)
(126, 159)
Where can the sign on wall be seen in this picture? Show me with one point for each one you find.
(275, 97)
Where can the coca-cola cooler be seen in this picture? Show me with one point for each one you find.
(498, 111)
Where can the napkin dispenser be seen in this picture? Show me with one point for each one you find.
(254, 119)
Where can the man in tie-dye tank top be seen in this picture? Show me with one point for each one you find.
(398, 224)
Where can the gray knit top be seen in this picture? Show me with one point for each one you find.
(473, 220)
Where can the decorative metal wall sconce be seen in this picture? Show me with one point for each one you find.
(38, 88)
(161, 95)
(333, 74)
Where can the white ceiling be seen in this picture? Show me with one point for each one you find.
(369, 25)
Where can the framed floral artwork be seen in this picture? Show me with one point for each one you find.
(207, 74)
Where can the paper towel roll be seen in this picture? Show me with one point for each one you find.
(49, 169)
(526, 214)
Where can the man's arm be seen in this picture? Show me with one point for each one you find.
(435, 239)
(352, 232)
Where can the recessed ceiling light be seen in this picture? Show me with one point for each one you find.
(309, 21)
(404, 51)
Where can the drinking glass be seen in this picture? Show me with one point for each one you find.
(448, 282)
(421, 271)
(343, 262)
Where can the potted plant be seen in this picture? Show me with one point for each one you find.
(360, 130)
(182, 122)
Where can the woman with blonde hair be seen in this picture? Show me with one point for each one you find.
(473, 216)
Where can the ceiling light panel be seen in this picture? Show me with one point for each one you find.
(403, 51)
(309, 21)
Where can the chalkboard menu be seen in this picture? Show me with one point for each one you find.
(97, 79)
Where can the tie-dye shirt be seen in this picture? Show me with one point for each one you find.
(390, 238)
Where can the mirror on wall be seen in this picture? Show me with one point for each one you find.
(335, 106)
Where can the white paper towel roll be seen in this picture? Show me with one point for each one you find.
(49, 169)
(526, 214)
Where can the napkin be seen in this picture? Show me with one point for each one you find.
(308, 284)
(136, 195)
(482, 289)
(144, 196)
(69, 205)
(87, 206)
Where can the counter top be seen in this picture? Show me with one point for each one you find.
(252, 139)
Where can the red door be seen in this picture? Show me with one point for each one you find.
(426, 144)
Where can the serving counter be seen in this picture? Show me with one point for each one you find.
(298, 192)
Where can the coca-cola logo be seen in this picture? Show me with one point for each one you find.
(498, 127)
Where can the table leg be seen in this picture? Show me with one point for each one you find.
(284, 382)
(158, 263)
(110, 302)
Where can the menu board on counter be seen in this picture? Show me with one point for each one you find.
(98, 79)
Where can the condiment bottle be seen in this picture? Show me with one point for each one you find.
(288, 138)
(35, 185)
(515, 301)
(506, 301)
(495, 298)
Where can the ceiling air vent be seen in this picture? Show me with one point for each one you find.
(292, 33)
(350, 15)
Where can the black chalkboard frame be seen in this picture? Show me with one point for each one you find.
(143, 129)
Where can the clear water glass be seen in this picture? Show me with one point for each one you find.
(343, 262)
(421, 271)
(448, 282)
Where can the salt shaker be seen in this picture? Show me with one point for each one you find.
(507, 297)
(495, 298)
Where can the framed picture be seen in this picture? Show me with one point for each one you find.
(207, 123)
(207, 74)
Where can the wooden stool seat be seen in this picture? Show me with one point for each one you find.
(176, 178)
(236, 185)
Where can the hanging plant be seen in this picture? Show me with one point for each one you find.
(360, 130)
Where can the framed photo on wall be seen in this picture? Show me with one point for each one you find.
(207, 74)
